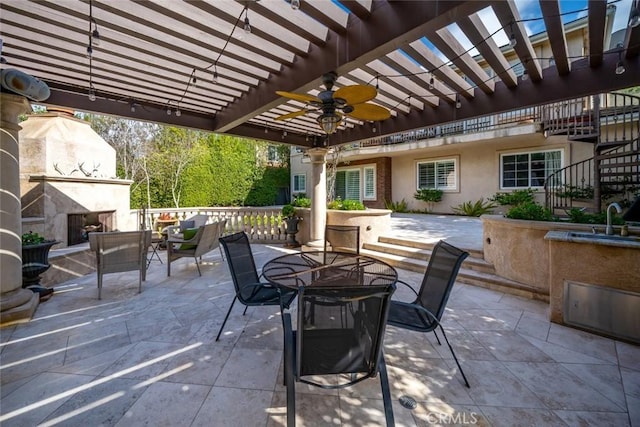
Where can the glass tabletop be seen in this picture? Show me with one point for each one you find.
(328, 269)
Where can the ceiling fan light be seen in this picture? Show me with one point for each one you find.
(329, 122)
(634, 20)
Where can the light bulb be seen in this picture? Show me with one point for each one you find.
(634, 21)
(168, 111)
(458, 103)
(178, 112)
(295, 4)
(215, 77)
(512, 40)
(89, 51)
(525, 75)
(247, 25)
(266, 130)
(133, 108)
(95, 37)
(431, 83)
(92, 94)
(194, 81)
(620, 68)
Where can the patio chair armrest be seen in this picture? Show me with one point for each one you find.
(402, 282)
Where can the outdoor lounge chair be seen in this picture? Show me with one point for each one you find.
(118, 251)
(425, 312)
(204, 241)
(340, 331)
(246, 281)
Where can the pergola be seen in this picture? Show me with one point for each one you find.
(157, 57)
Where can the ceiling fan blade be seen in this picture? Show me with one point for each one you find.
(371, 112)
(292, 115)
(303, 97)
(356, 94)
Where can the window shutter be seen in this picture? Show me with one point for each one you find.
(369, 183)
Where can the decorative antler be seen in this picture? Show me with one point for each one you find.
(86, 173)
(55, 166)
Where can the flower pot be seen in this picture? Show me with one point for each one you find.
(291, 228)
(35, 261)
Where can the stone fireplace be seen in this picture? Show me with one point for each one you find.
(67, 180)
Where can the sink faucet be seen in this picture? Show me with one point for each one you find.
(609, 230)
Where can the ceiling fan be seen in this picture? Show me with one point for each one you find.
(333, 105)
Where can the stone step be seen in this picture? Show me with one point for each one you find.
(474, 271)
(424, 253)
(475, 253)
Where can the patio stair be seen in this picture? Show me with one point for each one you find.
(414, 256)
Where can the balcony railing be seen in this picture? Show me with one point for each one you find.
(263, 224)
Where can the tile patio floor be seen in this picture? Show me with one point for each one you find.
(151, 359)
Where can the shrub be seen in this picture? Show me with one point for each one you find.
(514, 197)
(478, 208)
(400, 206)
(531, 211)
(346, 205)
(32, 238)
(288, 211)
(579, 216)
(573, 192)
(429, 195)
(301, 202)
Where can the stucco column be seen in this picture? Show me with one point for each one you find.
(16, 304)
(319, 196)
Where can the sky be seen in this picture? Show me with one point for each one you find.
(530, 10)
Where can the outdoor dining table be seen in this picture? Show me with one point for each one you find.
(328, 269)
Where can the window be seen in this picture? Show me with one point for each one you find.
(300, 183)
(369, 183)
(440, 174)
(272, 154)
(348, 184)
(524, 170)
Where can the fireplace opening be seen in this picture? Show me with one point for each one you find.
(80, 225)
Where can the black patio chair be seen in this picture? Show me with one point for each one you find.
(246, 281)
(331, 340)
(425, 312)
(342, 238)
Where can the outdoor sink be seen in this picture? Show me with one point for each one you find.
(613, 237)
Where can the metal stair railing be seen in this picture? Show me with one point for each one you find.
(615, 167)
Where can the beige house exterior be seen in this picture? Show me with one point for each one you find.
(468, 160)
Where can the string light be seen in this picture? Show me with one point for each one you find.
(431, 81)
(247, 25)
(295, 4)
(178, 112)
(458, 103)
(215, 76)
(512, 37)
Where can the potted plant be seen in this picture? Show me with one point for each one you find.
(35, 261)
(291, 220)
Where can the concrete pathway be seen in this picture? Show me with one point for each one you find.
(462, 231)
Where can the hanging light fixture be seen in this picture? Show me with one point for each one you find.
(178, 112)
(634, 15)
(215, 75)
(431, 82)
(295, 4)
(247, 25)
(92, 92)
(512, 38)
(168, 111)
(620, 66)
(329, 122)
(458, 103)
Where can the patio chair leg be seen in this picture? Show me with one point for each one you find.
(437, 338)
(386, 393)
(226, 317)
(198, 265)
(289, 380)
(454, 357)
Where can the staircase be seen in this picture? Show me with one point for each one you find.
(611, 122)
(414, 256)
